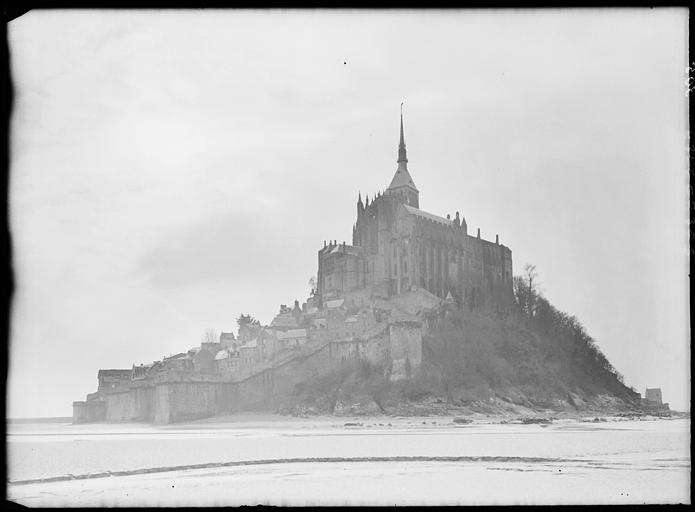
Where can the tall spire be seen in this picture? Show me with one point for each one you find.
(402, 185)
(401, 146)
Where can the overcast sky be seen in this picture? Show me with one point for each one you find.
(173, 169)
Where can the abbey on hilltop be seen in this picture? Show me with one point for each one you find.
(374, 301)
(397, 247)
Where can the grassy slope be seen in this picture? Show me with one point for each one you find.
(480, 363)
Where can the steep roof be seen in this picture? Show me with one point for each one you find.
(402, 178)
(428, 216)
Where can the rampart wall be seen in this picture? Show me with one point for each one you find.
(179, 395)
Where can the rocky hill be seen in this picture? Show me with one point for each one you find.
(535, 360)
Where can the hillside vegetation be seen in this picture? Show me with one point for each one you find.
(523, 362)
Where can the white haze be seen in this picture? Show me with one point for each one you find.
(173, 169)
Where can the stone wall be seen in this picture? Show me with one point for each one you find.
(249, 394)
(653, 395)
(88, 411)
(118, 406)
(183, 396)
(161, 403)
(141, 401)
(174, 396)
(376, 349)
(405, 349)
(188, 401)
(342, 352)
(358, 298)
(269, 387)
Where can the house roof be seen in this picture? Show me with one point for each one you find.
(335, 303)
(347, 249)
(222, 354)
(182, 355)
(271, 333)
(429, 216)
(292, 334)
(284, 320)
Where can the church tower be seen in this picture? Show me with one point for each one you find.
(402, 185)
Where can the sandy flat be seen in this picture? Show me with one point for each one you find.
(254, 459)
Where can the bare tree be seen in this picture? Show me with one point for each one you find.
(210, 336)
(526, 290)
(530, 275)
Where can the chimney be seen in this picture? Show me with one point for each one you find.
(497, 239)
(478, 233)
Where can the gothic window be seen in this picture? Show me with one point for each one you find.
(405, 266)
